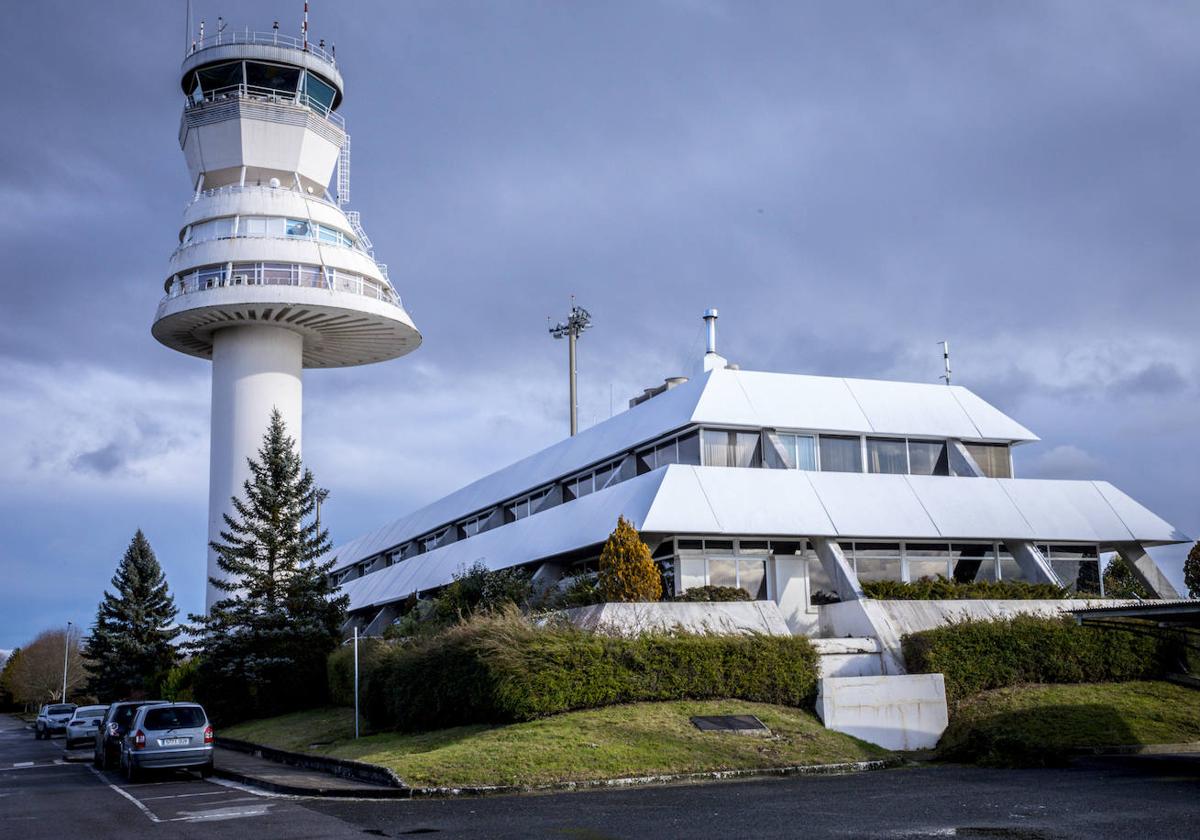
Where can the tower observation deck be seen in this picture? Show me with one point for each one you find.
(271, 274)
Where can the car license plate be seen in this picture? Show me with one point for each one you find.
(174, 742)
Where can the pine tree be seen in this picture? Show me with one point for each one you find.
(1191, 571)
(1120, 582)
(130, 647)
(262, 647)
(627, 572)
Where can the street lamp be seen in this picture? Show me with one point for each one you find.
(66, 650)
(577, 321)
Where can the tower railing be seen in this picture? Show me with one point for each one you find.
(265, 94)
(234, 188)
(275, 274)
(273, 39)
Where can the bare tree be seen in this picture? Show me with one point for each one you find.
(37, 676)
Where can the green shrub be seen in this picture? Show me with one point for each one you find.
(976, 656)
(944, 589)
(715, 593)
(500, 668)
(340, 668)
(583, 591)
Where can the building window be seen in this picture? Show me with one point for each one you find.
(731, 449)
(792, 452)
(928, 457)
(840, 454)
(971, 562)
(926, 560)
(992, 458)
(1078, 567)
(877, 561)
(887, 455)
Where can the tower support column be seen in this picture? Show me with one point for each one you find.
(256, 369)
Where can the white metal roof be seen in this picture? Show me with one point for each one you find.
(720, 397)
(722, 500)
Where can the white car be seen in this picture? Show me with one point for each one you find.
(83, 724)
(52, 719)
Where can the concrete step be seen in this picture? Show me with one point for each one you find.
(850, 656)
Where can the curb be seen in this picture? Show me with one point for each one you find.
(1138, 749)
(404, 792)
(358, 771)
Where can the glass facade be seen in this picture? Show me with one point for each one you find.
(992, 458)
(731, 449)
(887, 455)
(279, 226)
(261, 80)
(928, 457)
(840, 454)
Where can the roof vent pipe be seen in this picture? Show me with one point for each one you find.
(710, 320)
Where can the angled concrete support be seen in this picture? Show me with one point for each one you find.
(381, 621)
(1033, 563)
(839, 569)
(1146, 570)
(547, 577)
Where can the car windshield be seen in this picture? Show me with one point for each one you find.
(60, 710)
(174, 717)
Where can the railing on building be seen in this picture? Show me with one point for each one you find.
(275, 96)
(272, 39)
(268, 274)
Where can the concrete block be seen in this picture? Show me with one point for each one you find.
(903, 712)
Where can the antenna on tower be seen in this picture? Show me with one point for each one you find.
(577, 321)
(945, 360)
(304, 28)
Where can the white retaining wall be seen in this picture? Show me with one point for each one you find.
(896, 712)
(717, 618)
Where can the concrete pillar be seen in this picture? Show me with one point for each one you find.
(256, 369)
(1146, 570)
(1033, 563)
(839, 569)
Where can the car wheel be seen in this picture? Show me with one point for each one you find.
(131, 772)
(206, 770)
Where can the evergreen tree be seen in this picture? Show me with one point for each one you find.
(1191, 571)
(262, 647)
(627, 571)
(1119, 580)
(130, 647)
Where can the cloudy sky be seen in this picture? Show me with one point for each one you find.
(848, 182)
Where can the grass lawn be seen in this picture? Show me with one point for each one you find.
(1035, 724)
(633, 740)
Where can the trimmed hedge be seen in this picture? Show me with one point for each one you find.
(943, 589)
(715, 594)
(500, 669)
(976, 656)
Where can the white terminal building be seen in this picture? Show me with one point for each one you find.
(272, 273)
(796, 488)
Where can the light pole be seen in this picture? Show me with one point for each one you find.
(578, 321)
(66, 650)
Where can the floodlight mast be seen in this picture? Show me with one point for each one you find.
(578, 321)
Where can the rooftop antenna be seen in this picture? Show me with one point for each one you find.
(220, 27)
(945, 360)
(577, 321)
(304, 29)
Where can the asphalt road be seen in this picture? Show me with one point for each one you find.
(41, 796)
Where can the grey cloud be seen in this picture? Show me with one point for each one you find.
(1157, 379)
(103, 461)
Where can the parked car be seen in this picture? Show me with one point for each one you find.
(168, 735)
(52, 719)
(83, 724)
(112, 729)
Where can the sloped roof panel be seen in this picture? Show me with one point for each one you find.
(969, 508)
(862, 505)
(1066, 510)
(1144, 524)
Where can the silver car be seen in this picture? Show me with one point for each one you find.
(52, 719)
(167, 735)
(83, 724)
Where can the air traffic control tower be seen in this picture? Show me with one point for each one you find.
(272, 274)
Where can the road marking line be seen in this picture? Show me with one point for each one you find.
(184, 795)
(23, 763)
(149, 814)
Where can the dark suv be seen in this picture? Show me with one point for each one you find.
(112, 729)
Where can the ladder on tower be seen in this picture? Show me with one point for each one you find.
(343, 173)
(356, 223)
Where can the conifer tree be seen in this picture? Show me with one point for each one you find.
(262, 647)
(1191, 571)
(627, 571)
(1120, 582)
(130, 646)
